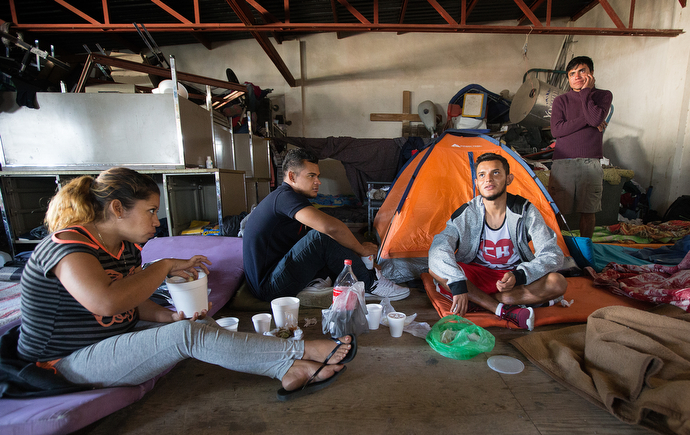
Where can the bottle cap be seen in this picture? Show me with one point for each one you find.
(348, 262)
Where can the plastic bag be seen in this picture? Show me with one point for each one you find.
(347, 314)
(458, 338)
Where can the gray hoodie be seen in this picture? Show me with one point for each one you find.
(459, 242)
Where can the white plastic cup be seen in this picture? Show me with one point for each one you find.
(285, 308)
(396, 323)
(262, 322)
(368, 261)
(189, 296)
(374, 315)
(229, 323)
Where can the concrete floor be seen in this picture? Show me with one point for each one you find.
(394, 385)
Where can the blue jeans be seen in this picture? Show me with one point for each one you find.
(312, 254)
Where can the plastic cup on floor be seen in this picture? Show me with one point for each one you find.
(396, 323)
(262, 322)
(374, 315)
(285, 309)
(229, 323)
(189, 296)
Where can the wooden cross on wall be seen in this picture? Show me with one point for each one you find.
(406, 117)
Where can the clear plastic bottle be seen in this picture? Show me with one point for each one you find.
(345, 280)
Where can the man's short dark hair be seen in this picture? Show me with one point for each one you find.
(488, 157)
(294, 160)
(580, 60)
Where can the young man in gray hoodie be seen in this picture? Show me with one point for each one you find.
(483, 255)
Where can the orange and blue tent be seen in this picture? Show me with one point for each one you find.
(435, 183)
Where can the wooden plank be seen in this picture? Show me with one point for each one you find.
(407, 108)
(397, 117)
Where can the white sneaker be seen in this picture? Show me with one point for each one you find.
(318, 293)
(385, 288)
(318, 285)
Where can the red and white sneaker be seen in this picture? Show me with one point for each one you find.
(523, 318)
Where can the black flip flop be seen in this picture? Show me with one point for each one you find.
(350, 355)
(310, 387)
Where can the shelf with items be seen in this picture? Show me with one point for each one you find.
(186, 195)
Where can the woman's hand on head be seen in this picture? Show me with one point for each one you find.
(186, 268)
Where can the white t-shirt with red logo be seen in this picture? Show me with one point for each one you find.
(496, 250)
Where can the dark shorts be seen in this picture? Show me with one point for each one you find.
(576, 185)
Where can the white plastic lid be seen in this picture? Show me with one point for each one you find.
(505, 364)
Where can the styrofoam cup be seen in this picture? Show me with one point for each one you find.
(262, 322)
(285, 308)
(229, 323)
(368, 261)
(189, 296)
(374, 315)
(396, 323)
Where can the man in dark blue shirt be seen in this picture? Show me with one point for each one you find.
(287, 242)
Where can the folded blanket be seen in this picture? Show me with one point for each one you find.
(633, 363)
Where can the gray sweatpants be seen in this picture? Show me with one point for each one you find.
(135, 357)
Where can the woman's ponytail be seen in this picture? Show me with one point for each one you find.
(74, 204)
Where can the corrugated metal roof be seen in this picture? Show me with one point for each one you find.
(68, 27)
(49, 12)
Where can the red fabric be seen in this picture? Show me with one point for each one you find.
(585, 296)
(652, 282)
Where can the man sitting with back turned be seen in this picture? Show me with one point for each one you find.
(282, 254)
(483, 254)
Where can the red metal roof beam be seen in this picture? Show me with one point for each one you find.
(106, 16)
(528, 13)
(268, 17)
(13, 12)
(446, 16)
(632, 13)
(241, 8)
(354, 12)
(77, 12)
(533, 8)
(199, 37)
(612, 14)
(584, 10)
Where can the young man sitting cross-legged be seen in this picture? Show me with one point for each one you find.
(483, 254)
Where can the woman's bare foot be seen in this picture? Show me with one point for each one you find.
(300, 372)
(318, 350)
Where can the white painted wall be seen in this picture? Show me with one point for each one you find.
(343, 81)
